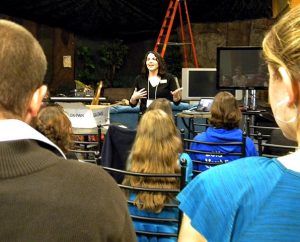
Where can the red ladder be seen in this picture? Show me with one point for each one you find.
(165, 31)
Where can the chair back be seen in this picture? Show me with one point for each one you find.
(270, 140)
(199, 127)
(277, 145)
(209, 154)
(253, 130)
(116, 148)
(151, 225)
(87, 146)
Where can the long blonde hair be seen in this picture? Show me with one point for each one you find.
(163, 104)
(155, 150)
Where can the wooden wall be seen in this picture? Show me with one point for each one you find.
(59, 43)
(56, 43)
(63, 61)
(209, 36)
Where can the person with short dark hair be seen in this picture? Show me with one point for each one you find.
(225, 119)
(45, 197)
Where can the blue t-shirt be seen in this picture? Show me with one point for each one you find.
(171, 213)
(250, 199)
(220, 135)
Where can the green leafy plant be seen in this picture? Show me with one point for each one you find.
(86, 69)
(112, 55)
(101, 62)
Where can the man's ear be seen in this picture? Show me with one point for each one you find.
(290, 86)
(35, 103)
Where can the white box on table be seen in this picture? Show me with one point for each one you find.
(86, 116)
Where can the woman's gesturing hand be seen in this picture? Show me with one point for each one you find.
(142, 93)
(177, 94)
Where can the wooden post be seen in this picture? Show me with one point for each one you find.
(63, 61)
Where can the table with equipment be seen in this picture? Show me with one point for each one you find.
(188, 119)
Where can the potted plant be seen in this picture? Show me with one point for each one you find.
(111, 57)
(86, 69)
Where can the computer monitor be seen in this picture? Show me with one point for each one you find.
(198, 83)
(241, 68)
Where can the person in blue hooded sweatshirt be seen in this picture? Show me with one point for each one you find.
(225, 118)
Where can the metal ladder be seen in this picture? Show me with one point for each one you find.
(165, 31)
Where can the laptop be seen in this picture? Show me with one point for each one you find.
(204, 105)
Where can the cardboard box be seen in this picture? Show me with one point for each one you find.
(86, 116)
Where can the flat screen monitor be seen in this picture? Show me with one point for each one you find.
(241, 68)
(198, 83)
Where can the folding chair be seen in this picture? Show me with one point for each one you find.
(207, 155)
(150, 225)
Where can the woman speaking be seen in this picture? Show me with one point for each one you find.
(154, 82)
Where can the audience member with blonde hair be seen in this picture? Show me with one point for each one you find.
(163, 104)
(225, 119)
(45, 197)
(156, 149)
(256, 198)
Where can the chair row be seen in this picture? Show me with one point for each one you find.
(118, 141)
(151, 225)
(87, 146)
(209, 154)
(114, 152)
(270, 140)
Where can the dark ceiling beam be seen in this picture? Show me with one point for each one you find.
(120, 18)
(143, 14)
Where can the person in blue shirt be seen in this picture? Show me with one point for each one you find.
(156, 149)
(225, 119)
(255, 198)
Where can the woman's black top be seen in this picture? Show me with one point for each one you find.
(163, 90)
